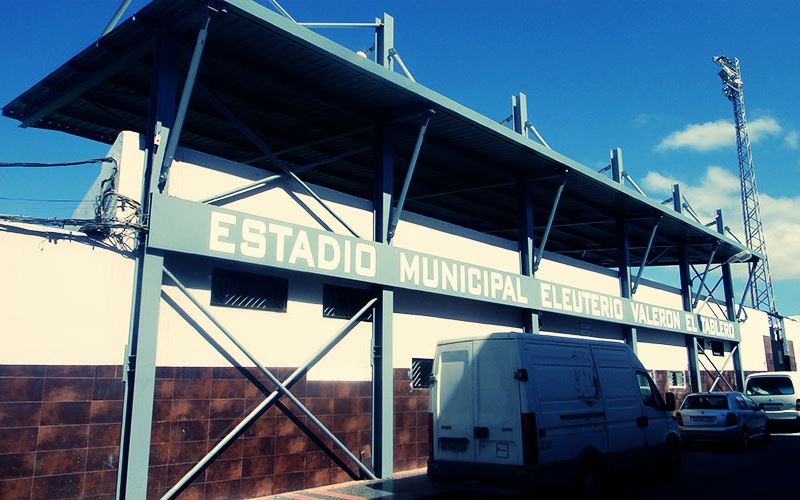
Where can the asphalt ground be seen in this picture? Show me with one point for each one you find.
(767, 470)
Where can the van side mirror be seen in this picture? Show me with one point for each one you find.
(669, 401)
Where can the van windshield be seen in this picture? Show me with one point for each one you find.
(769, 386)
(706, 403)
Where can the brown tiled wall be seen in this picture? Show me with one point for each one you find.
(60, 425)
(59, 431)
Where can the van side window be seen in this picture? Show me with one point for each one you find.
(650, 395)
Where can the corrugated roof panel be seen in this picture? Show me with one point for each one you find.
(310, 99)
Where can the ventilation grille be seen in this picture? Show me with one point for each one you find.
(248, 291)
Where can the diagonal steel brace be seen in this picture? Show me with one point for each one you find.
(543, 243)
(261, 145)
(705, 274)
(409, 173)
(635, 285)
(183, 105)
(719, 374)
(261, 387)
(281, 390)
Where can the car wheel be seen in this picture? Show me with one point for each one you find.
(767, 435)
(744, 440)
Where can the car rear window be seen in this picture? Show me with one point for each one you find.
(706, 403)
(769, 386)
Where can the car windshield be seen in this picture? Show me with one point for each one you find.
(769, 386)
(706, 403)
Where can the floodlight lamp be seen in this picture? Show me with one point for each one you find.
(742, 256)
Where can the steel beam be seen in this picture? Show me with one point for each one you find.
(183, 105)
(745, 292)
(530, 321)
(705, 274)
(624, 267)
(134, 454)
(396, 56)
(459, 191)
(384, 41)
(519, 113)
(272, 178)
(727, 287)
(261, 387)
(409, 174)
(686, 298)
(616, 166)
(543, 243)
(280, 9)
(719, 375)
(373, 25)
(623, 249)
(115, 18)
(281, 390)
(382, 325)
(646, 254)
(250, 135)
(734, 351)
(77, 90)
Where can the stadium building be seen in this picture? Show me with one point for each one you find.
(280, 234)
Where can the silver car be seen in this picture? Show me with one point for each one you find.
(778, 393)
(729, 417)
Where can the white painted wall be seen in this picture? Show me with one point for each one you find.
(67, 302)
(62, 301)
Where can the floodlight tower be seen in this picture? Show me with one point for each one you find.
(761, 292)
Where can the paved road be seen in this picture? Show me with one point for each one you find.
(766, 470)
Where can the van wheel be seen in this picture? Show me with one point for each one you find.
(673, 460)
(591, 479)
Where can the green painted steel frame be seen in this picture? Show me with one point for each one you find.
(164, 127)
(134, 454)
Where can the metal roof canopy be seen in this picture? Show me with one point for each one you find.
(311, 99)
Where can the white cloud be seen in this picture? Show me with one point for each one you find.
(763, 127)
(644, 119)
(792, 140)
(718, 134)
(719, 189)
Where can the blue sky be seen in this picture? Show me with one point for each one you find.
(598, 74)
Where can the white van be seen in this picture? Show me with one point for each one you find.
(539, 407)
(778, 393)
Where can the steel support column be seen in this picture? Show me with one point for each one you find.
(624, 258)
(727, 286)
(530, 321)
(384, 41)
(134, 454)
(623, 250)
(686, 297)
(382, 334)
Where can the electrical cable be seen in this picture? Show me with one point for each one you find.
(58, 164)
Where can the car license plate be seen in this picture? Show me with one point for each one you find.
(704, 418)
(773, 407)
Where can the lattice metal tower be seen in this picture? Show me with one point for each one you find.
(761, 292)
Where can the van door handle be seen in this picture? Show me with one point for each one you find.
(481, 433)
(641, 421)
